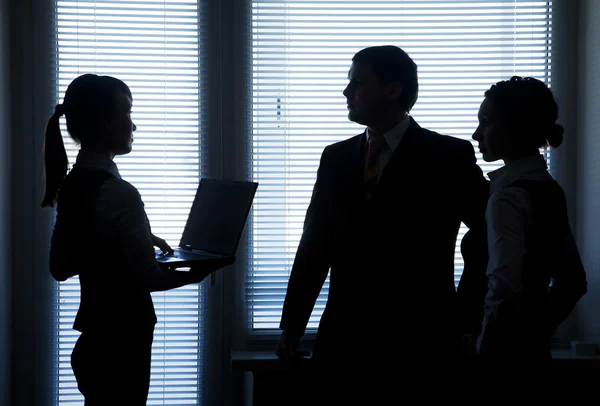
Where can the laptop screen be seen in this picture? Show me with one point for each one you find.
(218, 215)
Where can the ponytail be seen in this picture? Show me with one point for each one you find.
(55, 158)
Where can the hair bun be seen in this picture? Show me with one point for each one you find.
(59, 110)
(555, 135)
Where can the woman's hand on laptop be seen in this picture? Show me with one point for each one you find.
(161, 244)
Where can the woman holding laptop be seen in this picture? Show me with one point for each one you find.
(103, 235)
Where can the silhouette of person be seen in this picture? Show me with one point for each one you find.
(471, 291)
(535, 274)
(383, 219)
(103, 235)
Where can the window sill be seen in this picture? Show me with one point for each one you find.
(251, 362)
(262, 360)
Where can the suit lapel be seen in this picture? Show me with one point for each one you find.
(356, 162)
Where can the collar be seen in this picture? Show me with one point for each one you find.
(93, 160)
(394, 136)
(529, 168)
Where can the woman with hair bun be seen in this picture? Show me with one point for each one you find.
(535, 274)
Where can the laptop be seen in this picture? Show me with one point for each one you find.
(215, 224)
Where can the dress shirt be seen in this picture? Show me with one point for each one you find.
(392, 140)
(508, 214)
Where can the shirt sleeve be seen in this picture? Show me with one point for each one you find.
(123, 219)
(507, 216)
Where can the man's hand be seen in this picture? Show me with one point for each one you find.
(161, 244)
(287, 346)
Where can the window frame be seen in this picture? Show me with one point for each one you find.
(265, 339)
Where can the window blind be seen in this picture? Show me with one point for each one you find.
(302, 51)
(155, 47)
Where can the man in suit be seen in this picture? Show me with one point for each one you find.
(384, 216)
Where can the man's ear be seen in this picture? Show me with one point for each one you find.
(395, 90)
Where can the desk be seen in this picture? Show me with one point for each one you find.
(258, 361)
(564, 358)
(255, 360)
(265, 361)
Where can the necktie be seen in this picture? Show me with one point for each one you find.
(374, 147)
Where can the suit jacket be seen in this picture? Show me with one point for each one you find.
(391, 256)
(110, 295)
